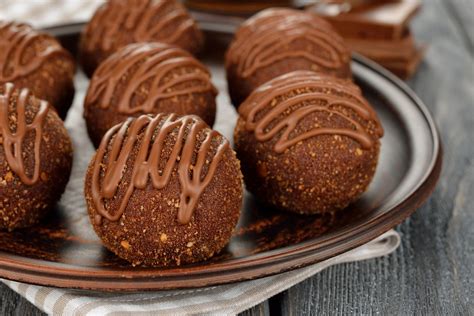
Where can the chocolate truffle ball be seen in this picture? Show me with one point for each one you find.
(164, 190)
(277, 41)
(118, 23)
(308, 143)
(35, 157)
(35, 60)
(147, 78)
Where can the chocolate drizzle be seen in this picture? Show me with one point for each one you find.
(282, 117)
(267, 37)
(120, 141)
(138, 18)
(15, 40)
(13, 140)
(155, 62)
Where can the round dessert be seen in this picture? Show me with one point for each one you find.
(35, 157)
(308, 143)
(35, 60)
(148, 78)
(164, 190)
(121, 22)
(277, 41)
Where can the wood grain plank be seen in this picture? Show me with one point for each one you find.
(13, 304)
(431, 273)
(462, 13)
(262, 309)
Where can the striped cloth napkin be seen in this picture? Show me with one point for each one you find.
(44, 13)
(228, 299)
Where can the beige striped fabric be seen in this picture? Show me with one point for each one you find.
(44, 13)
(218, 300)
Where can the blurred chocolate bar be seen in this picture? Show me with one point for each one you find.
(400, 56)
(378, 30)
(405, 69)
(384, 50)
(234, 7)
(380, 20)
(335, 7)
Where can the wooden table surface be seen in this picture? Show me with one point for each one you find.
(432, 271)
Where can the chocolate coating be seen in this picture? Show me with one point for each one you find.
(147, 78)
(35, 60)
(308, 143)
(164, 190)
(277, 41)
(35, 157)
(118, 23)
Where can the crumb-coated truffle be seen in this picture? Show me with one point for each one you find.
(277, 41)
(147, 78)
(164, 190)
(35, 60)
(118, 23)
(308, 143)
(35, 157)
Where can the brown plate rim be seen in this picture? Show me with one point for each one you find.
(29, 270)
